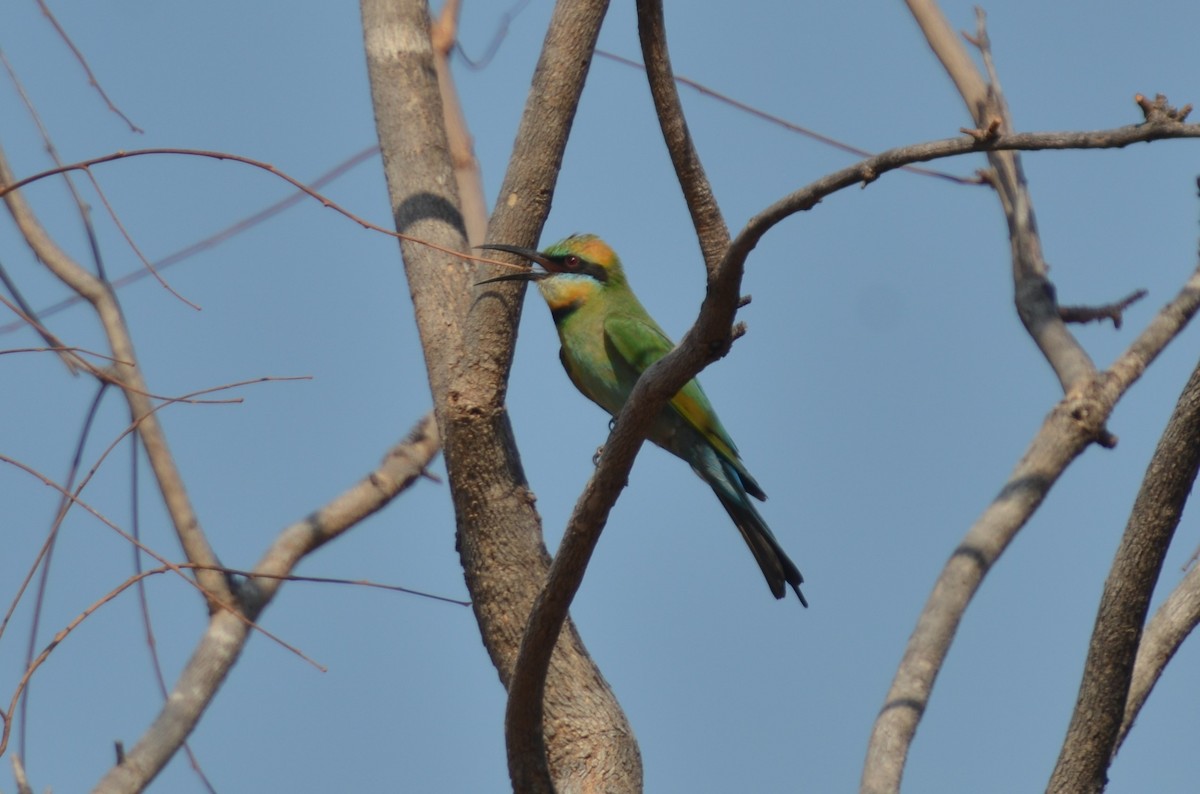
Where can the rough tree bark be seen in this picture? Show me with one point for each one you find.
(468, 339)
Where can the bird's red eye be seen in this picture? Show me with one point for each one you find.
(571, 262)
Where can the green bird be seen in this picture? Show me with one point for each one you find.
(608, 340)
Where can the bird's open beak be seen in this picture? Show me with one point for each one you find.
(527, 253)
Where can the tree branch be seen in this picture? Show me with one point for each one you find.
(1032, 290)
(127, 374)
(1172, 623)
(1091, 736)
(1100, 709)
(1109, 311)
(227, 632)
(868, 170)
(710, 337)
(710, 226)
(1075, 423)
(467, 340)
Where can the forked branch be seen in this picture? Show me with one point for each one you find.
(227, 632)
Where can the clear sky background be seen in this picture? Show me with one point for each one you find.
(884, 391)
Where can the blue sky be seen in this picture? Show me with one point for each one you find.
(882, 394)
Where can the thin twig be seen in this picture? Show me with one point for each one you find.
(221, 606)
(92, 81)
(85, 212)
(129, 377)
(779, 121)
(45, 555)
(160, 678)
(1109, 311)
(116, 219)
(9, 185)
(215, 239)
(497, 39)
(222, 644)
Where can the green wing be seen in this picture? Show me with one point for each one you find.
(638, 344)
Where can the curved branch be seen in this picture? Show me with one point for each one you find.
(554, 689)
(868, 170)
(227, 632)
(211, 240)
(467, 337)
(1091, 736)
(707, 340)
(710, 226)
(1076, 422)
(128, 375)
(1172, 623)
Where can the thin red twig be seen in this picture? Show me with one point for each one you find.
(87, 69)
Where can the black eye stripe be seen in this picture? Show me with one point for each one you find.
(594, 270)
(570, 263)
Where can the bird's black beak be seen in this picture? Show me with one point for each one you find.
(527, 253)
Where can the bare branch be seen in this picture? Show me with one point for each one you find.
(92, 81)
(19, 778)
(523, 722)
(1159, 109)
(215, 239)
(443, 34)
(60, 512)
(1109, 311)
(710, 226)
(1033, 292)
(45, 554)
(227, 632)
(85, 214)
(713, 335)
(1091, 736)
(143, 598)
(467, 342)
(870, 169)
(176, 569)
(1172, 623)
(1075, 423)
(779, 121)
(129, 377)
(1105, 708)
(9, 184)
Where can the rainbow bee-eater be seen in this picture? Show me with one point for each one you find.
(608, 340)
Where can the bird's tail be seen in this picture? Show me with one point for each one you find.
(777, 567)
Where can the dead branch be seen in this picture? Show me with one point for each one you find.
(228, 631)
(129, 377)
(1109, 311)
(1091, 737)
(1172, 623)
(710, 226)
